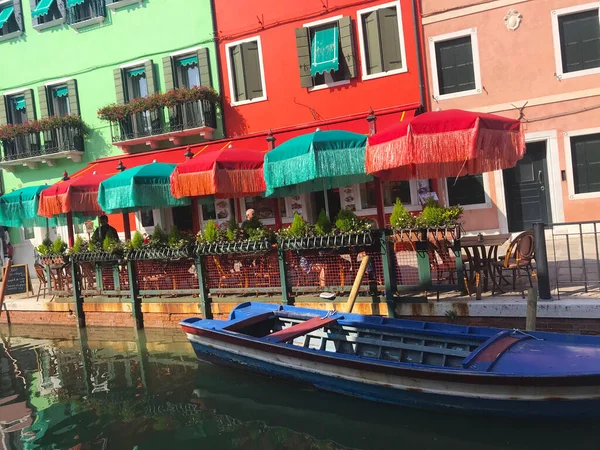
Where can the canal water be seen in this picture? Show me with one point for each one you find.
(110, 388)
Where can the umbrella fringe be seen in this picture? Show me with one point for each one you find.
(83, 202)
(135, 197)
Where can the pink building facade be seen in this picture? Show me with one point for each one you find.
(535, 60)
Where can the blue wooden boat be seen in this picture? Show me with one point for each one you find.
(425, 365)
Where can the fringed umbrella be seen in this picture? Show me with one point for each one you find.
(141, 187)
(225, 173)
(316, 162)
(20, 208)
(76, 196)
(444, 144)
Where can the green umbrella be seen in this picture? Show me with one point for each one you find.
(141, 187)
(316, 161)
(19, 208)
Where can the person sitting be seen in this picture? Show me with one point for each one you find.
(250, 221)
(104, 231)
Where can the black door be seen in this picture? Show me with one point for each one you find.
(526, 189)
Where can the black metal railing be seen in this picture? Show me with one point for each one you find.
(573, 250)
(62, 139)
(138, 125)
(89, 9)
(196, 114)
(20, 147)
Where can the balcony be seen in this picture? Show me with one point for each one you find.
(28, 150)
(83, 13)
(186, 119)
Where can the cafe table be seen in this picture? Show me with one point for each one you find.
(482, 251)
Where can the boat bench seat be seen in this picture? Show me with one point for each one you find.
(300, 329)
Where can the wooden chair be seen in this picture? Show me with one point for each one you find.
(88, 276)
(224, 276)
(519, 257)
(41, 275)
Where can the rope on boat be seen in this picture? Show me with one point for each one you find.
(516, 330)
(330, 313)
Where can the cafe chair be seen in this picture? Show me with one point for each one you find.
(41, 276)
(519, 257)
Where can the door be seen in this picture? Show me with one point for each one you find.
(526, 189)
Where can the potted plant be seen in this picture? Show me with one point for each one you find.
(215, 240)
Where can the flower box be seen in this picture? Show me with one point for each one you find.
(220, 248)
(146, 254)
(433, 235)
(361, 239)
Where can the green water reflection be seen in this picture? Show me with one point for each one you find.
(118, 388)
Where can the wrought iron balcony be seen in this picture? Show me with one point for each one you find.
(86, 13)
(137, 126)
(20, 147)
(196, 114)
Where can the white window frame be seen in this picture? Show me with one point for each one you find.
(14, 34)
(230, 71)
(486, 190)
(472, 32)
(412, 206)
(332, 84)
(556, 39)
(122, 4)
(569, 160)
(148, 230)
(361, 37)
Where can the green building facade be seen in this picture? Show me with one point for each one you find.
(73, 57)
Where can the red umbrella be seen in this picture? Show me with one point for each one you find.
(224, 173)
(445, 143)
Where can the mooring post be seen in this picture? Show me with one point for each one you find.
(286, 292)
(532, 298)
(205, 300)
(541, 261)
(77, 295)
(134, 292)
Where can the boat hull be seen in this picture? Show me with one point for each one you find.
(408, 391)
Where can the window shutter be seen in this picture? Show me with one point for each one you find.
(73, 97)
(29, 105)
(3, 115)
(168, 73)
(347, 44)
(118, 74)
(150, 80)
(62, 7)
(238, 73)
(32, 5)
(390, 38)
(372, 43)
(204, 67)
(303, 48)
(43, 98)
(254, 88)
(19, 15)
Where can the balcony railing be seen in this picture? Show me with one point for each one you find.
(86, 11)
(191, 115)
(21, 147)
(137, 126)
(63, 139)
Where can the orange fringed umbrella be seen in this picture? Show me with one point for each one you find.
(72, 195)
(444, 144)
(225, 173)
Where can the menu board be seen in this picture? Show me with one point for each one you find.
(18, 279)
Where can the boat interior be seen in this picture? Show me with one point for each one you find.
(333, 334)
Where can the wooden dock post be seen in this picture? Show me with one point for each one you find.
(205, 299)
(356, 285)
(4, 283)
(77, 294)
(134, 293)
(532, 298)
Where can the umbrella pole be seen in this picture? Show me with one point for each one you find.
(379, 201)
(277, 211)
(70, 230)
(127, 226)
(195, 216)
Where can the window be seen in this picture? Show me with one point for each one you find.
(85, 12)
(577, 40)
(60, 101)
(585, 157)
(78, 228)
(391, 191)
(455, 64)
(11, 20)
(47, 12)
(188, 73)
(326, 52)
(466, 190)
(209, 211)
(263, 207)
(28, 233)
(382, 42)
(17, 109)
(137, 84)
(246, 71)
(187, 69)
(147, 218)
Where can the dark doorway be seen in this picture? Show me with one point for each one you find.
(182, 218)
(333, 197)
(526, 190)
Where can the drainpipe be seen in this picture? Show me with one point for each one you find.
(418, 29)
(213, 16)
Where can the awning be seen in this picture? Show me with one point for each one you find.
(5, 15)
(62, 91)
(19, 103)
(136, 72)
(324, 53)
(71, 3)
(188, 61)
(42, 8)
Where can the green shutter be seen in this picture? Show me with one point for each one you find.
(204, 67)
(73, 97)
(43, 98)
(168, 73)
(303, 48)
(589, 30)
(3, 115)
(150, 80)
(580, 40)
(18, 13)
(118, 76)
(238, 73)
(347, 44)
(29, 105)
(252, 75)
(586, 163)
(32, 5)
(455, 65)
(372, 43)
(390, 40)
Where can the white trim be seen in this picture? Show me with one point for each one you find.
(435, 16)
(486, 190)
(122, 4)
(52, 23)
(319, 87)
(14, 92)
(147, 230)
(185, 51)
(12, 35)
(361, 41)
(59, 81)
(270, 221)
(230, 72)
(317, 23)
(501, 201)
(130, 65)
(86, 23)
(555, 14)
(472, 32)
(569, 163)
(414, 204)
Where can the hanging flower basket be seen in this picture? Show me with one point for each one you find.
(360, 239)
(11, 131)
(146, 254)
(221, 248)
